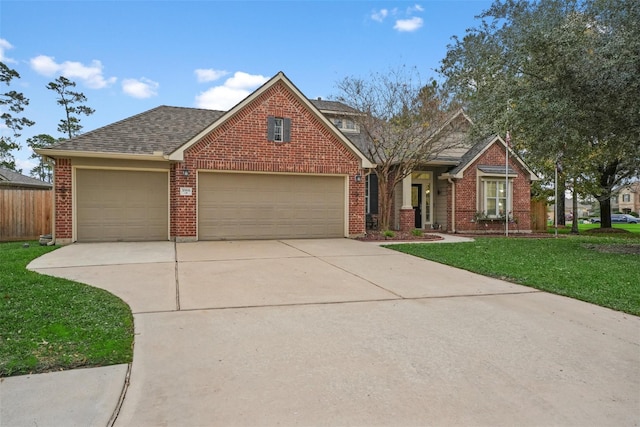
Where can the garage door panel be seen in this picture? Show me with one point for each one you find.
(117, 205)
(253, 206)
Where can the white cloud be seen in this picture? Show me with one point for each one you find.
(44, 65)
(379, 15)
(26, 165)
(227, 95)
(415, 8)
(140, 88)
(90, 75)
(209, 74)
(242, 80)
(5, 45)
(408, 25)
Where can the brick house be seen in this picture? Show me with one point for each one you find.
(277, 165)
(629, 198)
(463, 189)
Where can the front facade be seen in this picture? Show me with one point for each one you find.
(277, 165)
(272, 167)
(465, 189)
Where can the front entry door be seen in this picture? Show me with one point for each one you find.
(416, 202)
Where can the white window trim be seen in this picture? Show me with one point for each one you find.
(278, 129)
(481, 193)
(341, 123)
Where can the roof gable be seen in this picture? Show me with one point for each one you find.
(178, 153)
(480, 148)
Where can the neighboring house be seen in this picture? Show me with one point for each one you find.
(25, 206)
(629, 198)
(10, 179)
(277, 165)
(584, 210)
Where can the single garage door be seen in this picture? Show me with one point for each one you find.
(261, 206)
(116, 205)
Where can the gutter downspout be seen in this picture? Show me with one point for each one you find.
(453, 204)
(52, 162)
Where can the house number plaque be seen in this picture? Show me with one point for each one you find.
(185, 191)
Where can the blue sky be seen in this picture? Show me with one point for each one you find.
(131, 56)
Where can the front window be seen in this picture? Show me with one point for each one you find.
(344, 124)
(626, 197)
(495, 198)
(349, 124)
(277, 129)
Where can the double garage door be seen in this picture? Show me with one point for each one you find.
(262, 206)
(122, 205)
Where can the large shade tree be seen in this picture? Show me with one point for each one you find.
(403, 122)
(563, 76)
(12, 104)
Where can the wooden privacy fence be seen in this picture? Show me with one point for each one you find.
(25, 213)
(539, 216)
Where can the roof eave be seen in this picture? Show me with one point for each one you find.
(52, 153)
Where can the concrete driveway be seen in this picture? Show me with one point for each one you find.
(341, 332)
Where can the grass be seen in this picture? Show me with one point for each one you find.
(582, 228)
(600, 270)
(48, 323)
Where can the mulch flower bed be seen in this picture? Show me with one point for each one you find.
(375, 235)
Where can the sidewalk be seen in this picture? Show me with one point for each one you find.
(80, 397)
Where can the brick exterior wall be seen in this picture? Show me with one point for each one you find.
(241, 144)
(63, 200)
(467, 203)
(407, 219)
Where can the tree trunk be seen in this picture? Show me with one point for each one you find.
(574, 208)
(607, 181)
(562, 188)
(605, 212)
(385, 195)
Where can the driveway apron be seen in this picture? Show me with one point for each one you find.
(341, 332)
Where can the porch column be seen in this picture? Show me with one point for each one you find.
(406, 193)
(407, 215)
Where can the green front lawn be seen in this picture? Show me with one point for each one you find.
(601, 270)
(48, 323)
(632, 228)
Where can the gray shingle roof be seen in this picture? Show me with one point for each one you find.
(165, 129)
(495, 169)
(361, 141)
(9, 178)
(472, 153)
(160, 129)
(336, 106)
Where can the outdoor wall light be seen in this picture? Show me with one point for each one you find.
(185, 172)
(358, 178)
